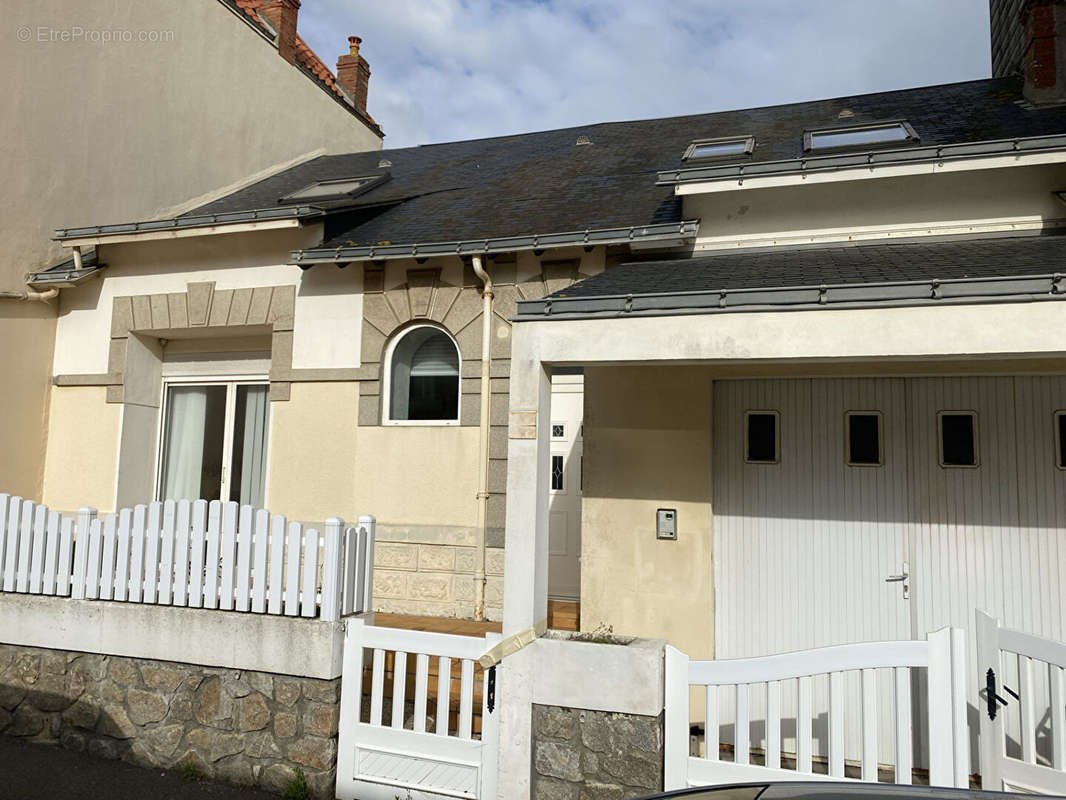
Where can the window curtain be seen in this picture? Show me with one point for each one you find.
(186, 424)
(253, 448)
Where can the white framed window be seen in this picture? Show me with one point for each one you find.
(882, 133)
(762, 437)
(1060, 439)
(957, 439)
(422, 378)
(213, 440)
(863, 446)
(719, 148)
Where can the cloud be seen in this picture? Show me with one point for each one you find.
(458, 69)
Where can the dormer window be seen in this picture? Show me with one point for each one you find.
(858, 135)
(336, 189)
(719, 148)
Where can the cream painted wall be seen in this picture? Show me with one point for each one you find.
(83, 448)
(648, 446)
(27, 333)
(313, 452)
(921, 200)
(329, 301)
(417, 475)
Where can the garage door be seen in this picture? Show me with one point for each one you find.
(958, 483)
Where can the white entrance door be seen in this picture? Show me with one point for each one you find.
(564, 515)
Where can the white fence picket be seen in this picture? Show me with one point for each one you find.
(66, 556)
(107, 565)
(399, 687)
(214, 537)
(310, 577)
(351, 555)
(137, 535)
(421, 691)
(197, 553)
(40, 520)
(22, 575)
(903, 725)
(51, 550)
(166, 553)
(5, 504)
(151, 551)
(332, 567)
(82, 545)
(182, 532)
(260, 549)
(773, 723)
(292, 570)
(92, 566)
(466, 699)
(277, 565)
(444, 690)
(228, 555)
(244, 559)
(122, 557)
(368, 524)
(12, 543)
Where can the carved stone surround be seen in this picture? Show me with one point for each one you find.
(200, 306)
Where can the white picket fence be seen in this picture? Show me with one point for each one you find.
(942, 656)
(186, 553)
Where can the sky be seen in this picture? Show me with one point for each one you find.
(445, 70)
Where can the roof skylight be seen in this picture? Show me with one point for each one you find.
(882, 133)
(719, 148)
(335, 189)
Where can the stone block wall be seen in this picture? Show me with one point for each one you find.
(412, 577)
(595, 755)
(247, 728)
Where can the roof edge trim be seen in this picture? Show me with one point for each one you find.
(189, 221)
(685, 229)
(1051, 286)
(835, 161)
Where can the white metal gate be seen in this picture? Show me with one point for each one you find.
(1032, 756)
(414, 736)
(941, 657)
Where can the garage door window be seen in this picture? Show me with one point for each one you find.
(762, 437)
(958, 438)
(864, 438)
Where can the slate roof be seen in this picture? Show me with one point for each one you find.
(545, 182)
(948, 259)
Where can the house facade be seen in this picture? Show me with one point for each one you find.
(133, 111)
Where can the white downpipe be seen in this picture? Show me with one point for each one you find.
(39, 297)
(483, 439)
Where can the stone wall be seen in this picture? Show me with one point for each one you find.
(412, 577)
(248, 728)
(595, 755)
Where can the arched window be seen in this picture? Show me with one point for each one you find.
(424, 377)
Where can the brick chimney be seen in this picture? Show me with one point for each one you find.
(281, 14)
(353, 73)
(1044, 57)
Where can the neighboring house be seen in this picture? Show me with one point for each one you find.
(137, 110)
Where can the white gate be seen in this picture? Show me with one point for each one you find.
(942, 656)
(412, 736)
(1034, 761)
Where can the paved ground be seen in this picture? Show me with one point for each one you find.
(40, 772)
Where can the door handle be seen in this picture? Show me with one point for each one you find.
(904, 578)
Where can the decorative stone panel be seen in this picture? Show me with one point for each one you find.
(595, 755)
(246, 728)
(201, 306)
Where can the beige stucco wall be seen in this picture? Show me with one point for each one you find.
(83, 449)
(648, 446)
(313, 452)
